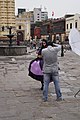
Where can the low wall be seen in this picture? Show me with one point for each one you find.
(12, 50)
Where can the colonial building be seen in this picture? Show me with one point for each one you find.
(23, 26)
(71, 22)
(53, 29)
(26, 23)
(59, 29)
(7, 17)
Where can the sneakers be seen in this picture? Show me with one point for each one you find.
(44, 99)
(59, 99)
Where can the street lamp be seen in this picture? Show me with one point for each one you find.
(62, 50)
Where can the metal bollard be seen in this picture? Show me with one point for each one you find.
(62, 50)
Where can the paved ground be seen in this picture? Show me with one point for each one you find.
(21, 97)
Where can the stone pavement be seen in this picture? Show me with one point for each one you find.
(21, 97)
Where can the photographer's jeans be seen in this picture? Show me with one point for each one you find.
(51, 77)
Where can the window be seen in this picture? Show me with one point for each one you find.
(67, 26)
(70, 25)
(19, 26)
(2, 28)
(75, 24)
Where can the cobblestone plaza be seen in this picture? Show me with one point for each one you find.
(21, 97)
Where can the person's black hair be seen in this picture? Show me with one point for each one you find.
(43, 40)
(50, 43)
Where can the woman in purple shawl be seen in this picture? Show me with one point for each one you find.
(35, 67)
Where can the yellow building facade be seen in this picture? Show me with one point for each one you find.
(7, 17)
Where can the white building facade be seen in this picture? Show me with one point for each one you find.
(39, 15)
(72, 22)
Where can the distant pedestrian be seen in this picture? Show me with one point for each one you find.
(34, 43)
(18, 42)
(31, 44)
(50, 69)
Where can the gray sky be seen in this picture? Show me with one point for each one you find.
(60, 7)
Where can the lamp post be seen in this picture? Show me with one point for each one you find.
(62, 50)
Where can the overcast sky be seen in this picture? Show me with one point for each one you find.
(60, 7)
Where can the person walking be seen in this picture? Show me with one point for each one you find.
(31, 44)
(50, 70)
